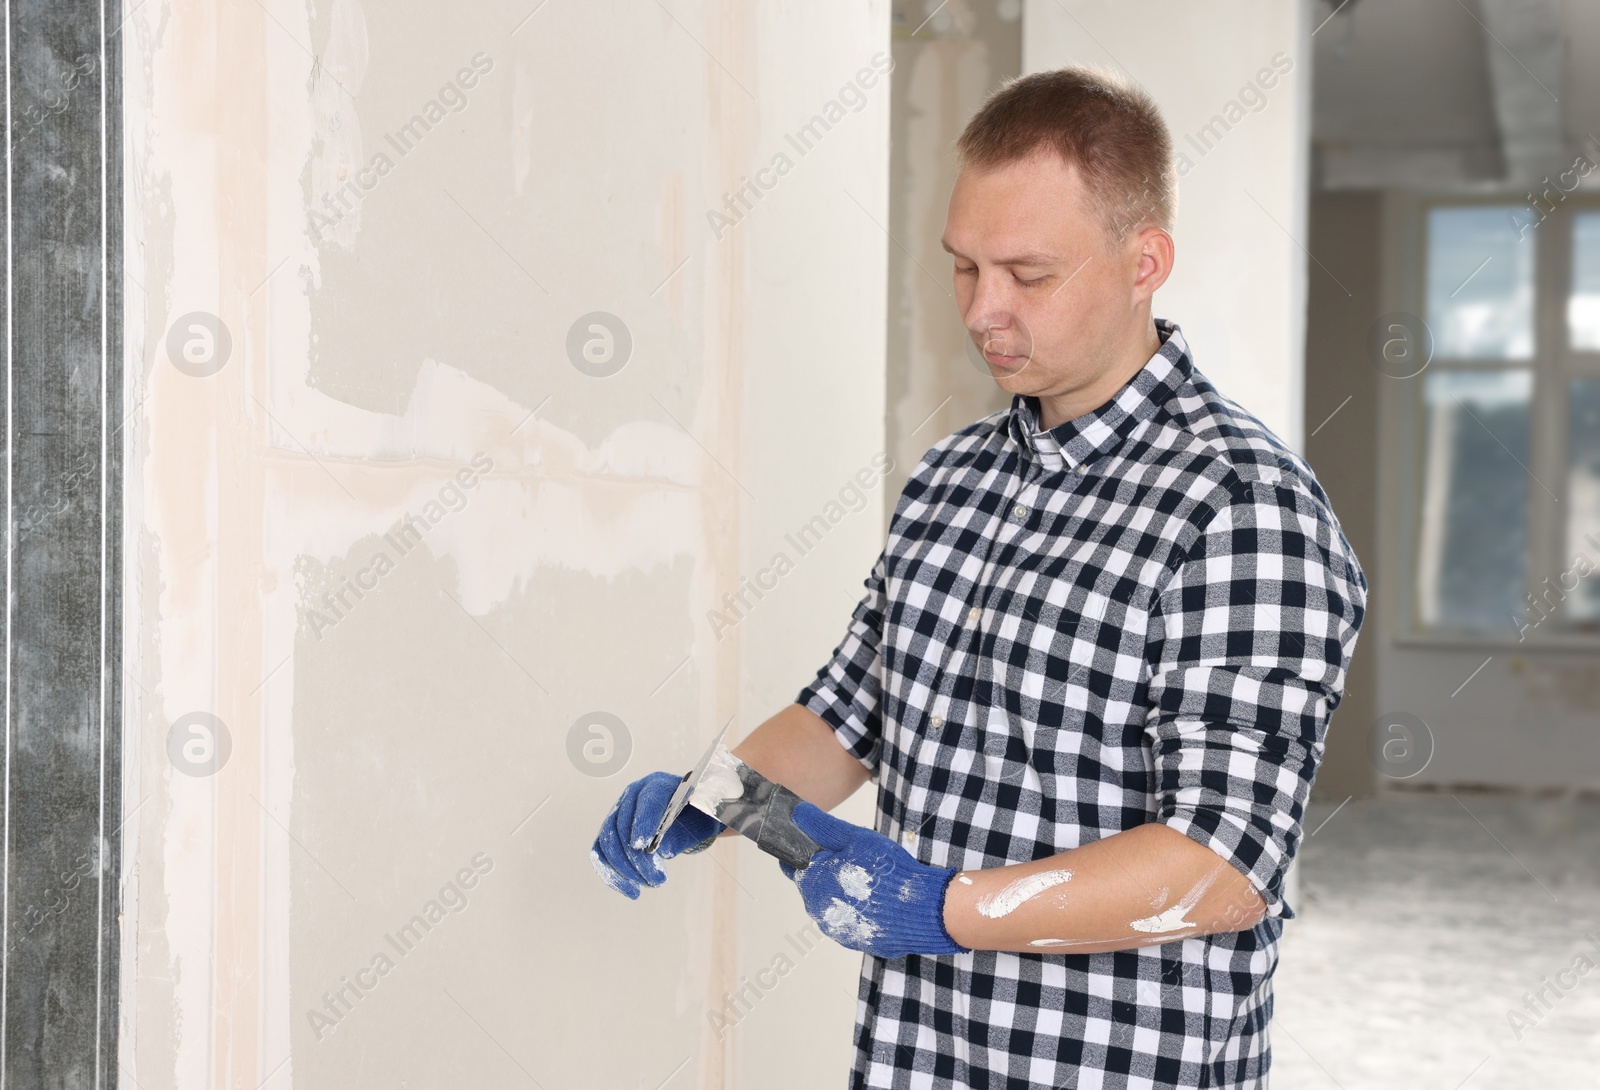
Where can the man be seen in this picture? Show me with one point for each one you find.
(1092, 673)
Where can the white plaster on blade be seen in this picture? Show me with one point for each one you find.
(1003, 902)
(718, 783)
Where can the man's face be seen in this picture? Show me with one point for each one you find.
(1041, 292)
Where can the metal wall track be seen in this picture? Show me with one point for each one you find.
(62, 471)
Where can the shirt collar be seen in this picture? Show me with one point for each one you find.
(1082, 440)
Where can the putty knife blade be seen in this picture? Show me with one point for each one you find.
(680, 794)
(757, 808)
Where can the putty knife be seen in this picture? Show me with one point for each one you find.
(737, 795)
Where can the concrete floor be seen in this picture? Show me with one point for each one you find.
(1418, 933)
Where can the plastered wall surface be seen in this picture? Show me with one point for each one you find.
(817, 463)
(1234, 84)
(457, 418)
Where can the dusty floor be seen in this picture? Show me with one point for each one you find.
(1419, 933)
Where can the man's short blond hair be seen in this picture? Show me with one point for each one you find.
(1095, 120)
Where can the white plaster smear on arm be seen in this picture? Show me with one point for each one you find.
(1098, 942)
(1170, 920)
(1173, 919)
(1005, 901)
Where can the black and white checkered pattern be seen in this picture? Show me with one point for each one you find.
(1145, 614)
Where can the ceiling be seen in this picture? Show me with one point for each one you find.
(1454, 94)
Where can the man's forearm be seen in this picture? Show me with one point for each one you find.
(797, 749)
(1140, 887)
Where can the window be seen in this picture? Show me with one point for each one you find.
(1474, 497)
(1583, 302)
(1583, 497)
(1507, 543)
(1480, 284)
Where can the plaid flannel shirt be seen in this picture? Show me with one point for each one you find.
(1141, 615)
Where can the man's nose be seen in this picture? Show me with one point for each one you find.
(990, 310)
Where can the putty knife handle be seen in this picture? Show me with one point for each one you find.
(780, 836)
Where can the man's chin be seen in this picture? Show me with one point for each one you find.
(1018, 376)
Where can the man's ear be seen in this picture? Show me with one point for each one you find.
(1155, 256)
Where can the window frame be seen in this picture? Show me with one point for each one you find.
(1553, 364)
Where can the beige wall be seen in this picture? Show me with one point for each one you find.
(1341, 427)
(949, 57)
(1244, 238)
(384, 747)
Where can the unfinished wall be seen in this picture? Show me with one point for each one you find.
(456, 417)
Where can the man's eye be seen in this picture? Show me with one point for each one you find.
(966, 272)
(1035, 280)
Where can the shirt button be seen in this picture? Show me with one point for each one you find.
(974, 614)
(936, 722)
(1019, 511)
(909, 839)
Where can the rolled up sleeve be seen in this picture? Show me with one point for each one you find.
(848, 690)
(1249, 649)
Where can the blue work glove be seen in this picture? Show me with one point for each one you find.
(618, 854)
(870, 894)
